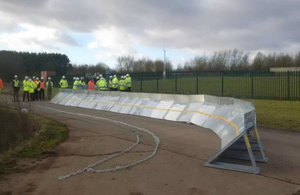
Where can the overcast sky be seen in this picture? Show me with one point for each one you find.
(94, 31)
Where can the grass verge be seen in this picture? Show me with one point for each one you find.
(40, 136)
(278, 114)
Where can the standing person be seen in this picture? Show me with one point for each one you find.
(26, 87)
(110, 83)
(98, 83)
(37, 95)
(82, 83)
(76, 83)
(41, 87)
(49, 88)
(128, 82)
(1, 86)
(16, 87)
(31, 85)
(91, 84)
(122, 85)
(63, 83)
(115, 83)
(103, 84)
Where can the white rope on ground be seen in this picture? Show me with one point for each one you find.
(90, 168)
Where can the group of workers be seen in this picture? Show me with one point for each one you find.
(33, 88)
(114, 84)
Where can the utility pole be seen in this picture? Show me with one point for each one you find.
(164, 72)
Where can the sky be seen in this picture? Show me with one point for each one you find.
(94, 31)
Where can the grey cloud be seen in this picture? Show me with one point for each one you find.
(249, 25)
(66, 39)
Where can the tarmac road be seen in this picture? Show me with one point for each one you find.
(177, 168)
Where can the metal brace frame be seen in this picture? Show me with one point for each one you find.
(240, 149)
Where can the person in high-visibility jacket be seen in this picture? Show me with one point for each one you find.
(41, 88)
(63, 83)
(122, 84)
(97, 85)
(1, 86)
(76, 84)
(128, 82)
(32, 86)
(37, 88)
(16, 87)
(115, 83)
(91, 84)
(49, 88)
(26, 87)
(102, 84)
(82, 83)
(110, 83)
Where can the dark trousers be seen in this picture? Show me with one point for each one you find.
(42, 94)
(31, 96)
(129, 89)
(49, 94)
(36, 94)
(16, 94)
(25, 94)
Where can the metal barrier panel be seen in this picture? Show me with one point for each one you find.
(231, 119)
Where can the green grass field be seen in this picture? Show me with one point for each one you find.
(278, 114)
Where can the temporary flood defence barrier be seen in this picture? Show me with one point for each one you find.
(232, 120)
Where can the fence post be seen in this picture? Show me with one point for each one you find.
(157, 85)
(222, 83)
(252, 85)
(197, 83)
(175, 83)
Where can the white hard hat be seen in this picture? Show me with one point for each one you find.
(127, 74)
(49, 78)
(30, 80)
(110, 76)
(74, 78)
(82, 77)
(42, 78)
(26, 77)
(77, 78)
(97, 77)
(16, 76)
(100, 75)
(37, 78)
(115, 75)
(33, 77)
(63, 77)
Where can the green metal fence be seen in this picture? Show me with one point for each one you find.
(255, 85)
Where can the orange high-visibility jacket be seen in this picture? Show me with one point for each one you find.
(42, 84)
(1, 84)
(91, 85)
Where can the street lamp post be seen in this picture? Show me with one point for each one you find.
(164, 72)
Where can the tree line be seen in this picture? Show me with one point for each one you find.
(26, 63)
(235, 60)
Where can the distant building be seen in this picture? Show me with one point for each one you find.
(285, 69)
(47, 74)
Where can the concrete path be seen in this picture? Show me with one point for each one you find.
(177, 168)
